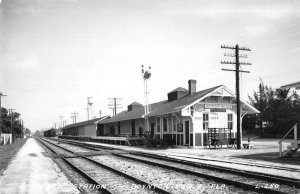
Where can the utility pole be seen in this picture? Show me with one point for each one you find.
(61, 121)
(100, 113)
(237, 70)
(1, 109)
(22, 128)
(74, 116)
(64, 123)
(11, 124)
(114, 104)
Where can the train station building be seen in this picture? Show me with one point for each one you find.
(86, 128)
(183, 119)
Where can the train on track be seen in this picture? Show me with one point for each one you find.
(50, 133)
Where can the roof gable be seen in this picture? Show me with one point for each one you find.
(226, 93)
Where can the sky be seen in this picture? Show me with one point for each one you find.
(54, 54)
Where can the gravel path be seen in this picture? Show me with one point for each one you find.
(108, 179)
(170, 180)
(228, 176)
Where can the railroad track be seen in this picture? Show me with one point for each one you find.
(241, 163)
(109, 180)
(257, 182)
(273, 167)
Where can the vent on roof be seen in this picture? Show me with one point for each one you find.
(134, 105)
(176, 94)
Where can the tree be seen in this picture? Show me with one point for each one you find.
(6, 121)
(261, 100)
(27, 131)
(279, 109)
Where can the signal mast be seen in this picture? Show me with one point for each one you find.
(146, 76)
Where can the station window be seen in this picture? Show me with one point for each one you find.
(230, 121)
(165, 124)
(205, 121)
(158, 124)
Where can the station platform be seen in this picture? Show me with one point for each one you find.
(262, 158)
(32, 172)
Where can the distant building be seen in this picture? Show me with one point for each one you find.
(85, 128)
(184, 118)
(294, 86)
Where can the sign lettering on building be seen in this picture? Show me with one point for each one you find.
(218, 110)
(218, 106)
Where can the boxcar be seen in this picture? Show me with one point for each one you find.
(50, 133)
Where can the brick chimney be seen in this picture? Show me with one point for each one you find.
(192, 86)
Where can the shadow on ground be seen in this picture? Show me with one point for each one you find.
(272, 157)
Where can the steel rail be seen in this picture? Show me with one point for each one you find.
(284, 180)
(204, 175)
(262, 176)
(91, 180)
(240, 163)
(141, 182)
(215, 160)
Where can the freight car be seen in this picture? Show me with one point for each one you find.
(50, 133)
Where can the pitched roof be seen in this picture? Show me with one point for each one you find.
(177, 105)
(160, 108)
(86, 123)
(295, 84)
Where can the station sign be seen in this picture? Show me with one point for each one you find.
(218, 106)
(218, 110)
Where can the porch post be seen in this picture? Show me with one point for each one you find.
(295, 136)
(194, 133)
(172, 126)
(161, 127)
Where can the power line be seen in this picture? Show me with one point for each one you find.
(61, 121)
(74, 116)
(237, 70)
(114, 104)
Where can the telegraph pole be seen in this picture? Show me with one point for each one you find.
(74, 116)
(61, 121)
(114, 104)
(237, 70)
(100, 113)
(1, 109)
(64, 123)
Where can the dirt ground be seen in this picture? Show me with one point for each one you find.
(7, 152)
